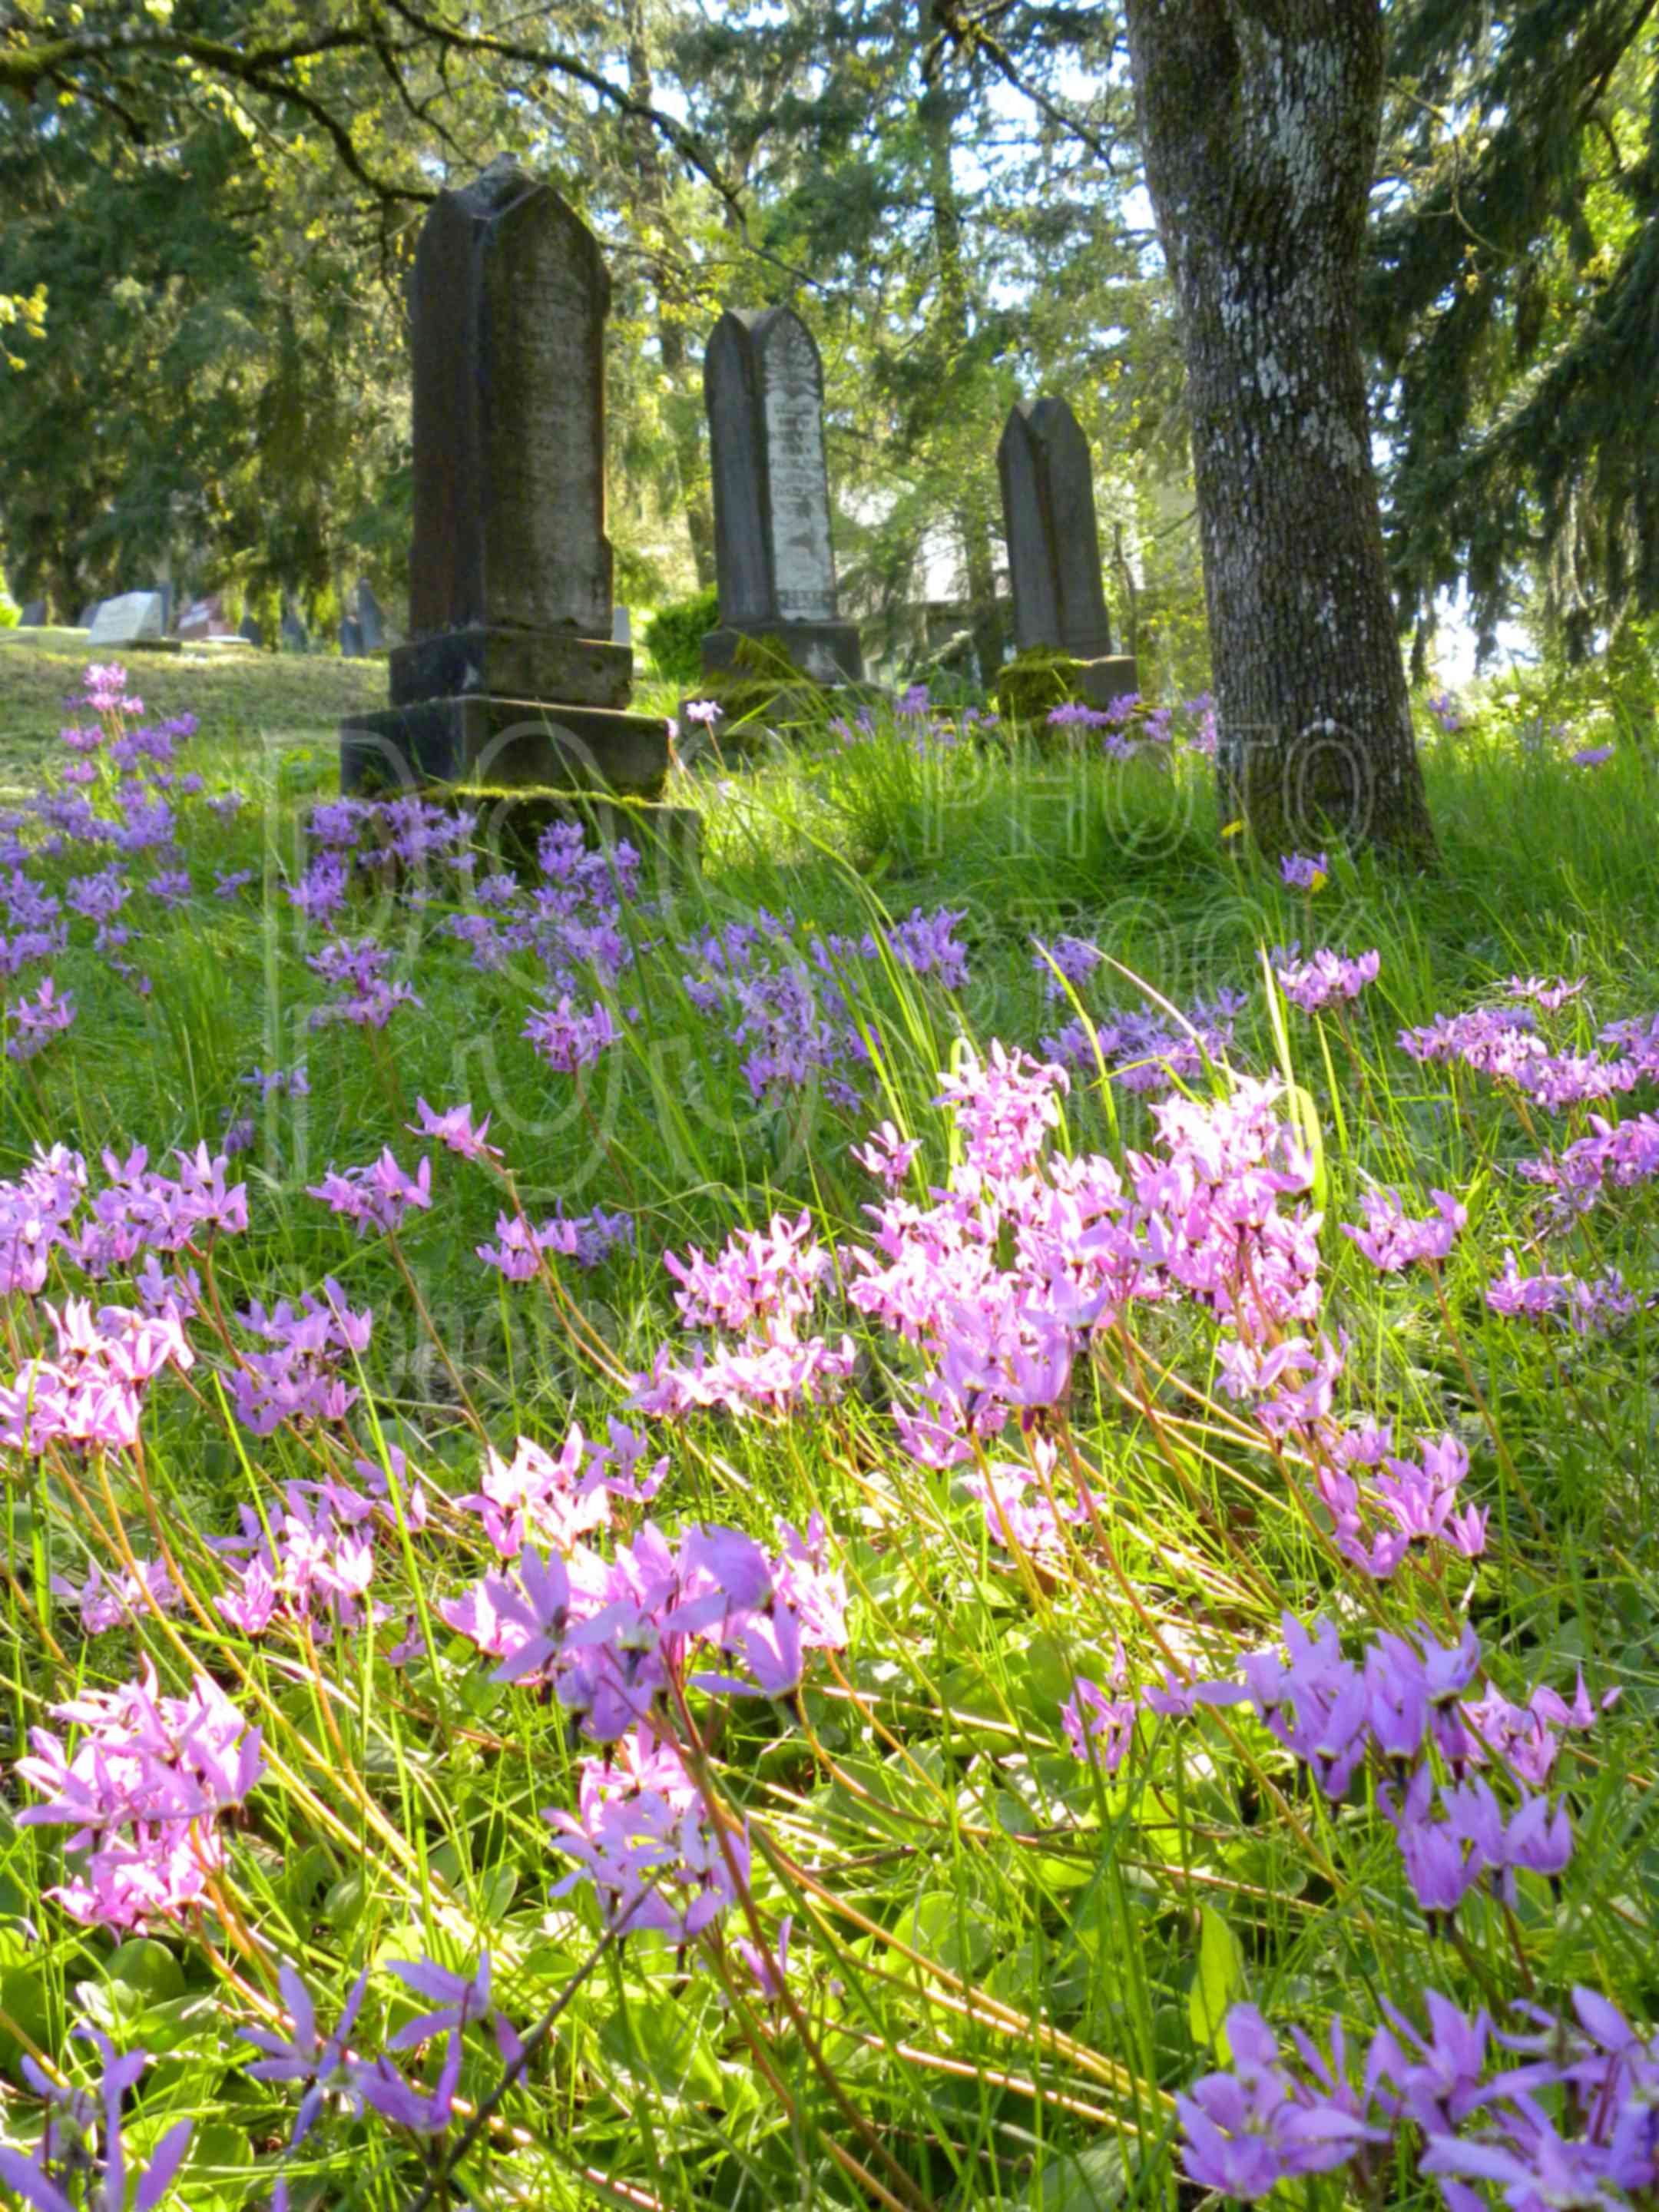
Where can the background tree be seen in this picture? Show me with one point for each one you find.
(1513, 300)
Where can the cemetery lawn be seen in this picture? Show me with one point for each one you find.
(298, 698)
(828, 1740)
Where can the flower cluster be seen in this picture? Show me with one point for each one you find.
(1401, 1701)
(375, 1197)
(1323, 976)
(1305, 872)
(366, 996)
(615, 1642)
(1601, 1304)
(298, 1379)
(91, 1393)
(586, 1238)
(1145, 1051)
(1391, 1241)
(82, 2139)
(553, 1499)
(314, 1562)
(1571, 2123)
(759, 1291)
(568, 1039)
(142, 1793)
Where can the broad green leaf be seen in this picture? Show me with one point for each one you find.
(1218, 1983)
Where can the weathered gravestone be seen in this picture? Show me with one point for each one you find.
(249, 630)
(33, 615)
(762, 385)
(134, 619)
(371, 621)
(1053, 546)
(351, 638)
(294, 634)
(510, 677)
(89, 615)
(204, 618)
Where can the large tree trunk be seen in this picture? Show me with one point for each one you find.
(1259, 123)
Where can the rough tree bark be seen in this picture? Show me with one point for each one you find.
(1259, 123)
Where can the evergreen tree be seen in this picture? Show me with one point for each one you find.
(1513, 299)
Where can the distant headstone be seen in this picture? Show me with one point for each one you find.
(370, 619)
(1053, 544)
(202, 619)
(249, 630)
(351, 638)
(33, 615)
(164, 592)
(294, 634)
(621, 629)
(131, 619)
(89, 615)
(762, 385)
(511, 676)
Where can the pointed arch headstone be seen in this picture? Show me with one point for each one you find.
(510, 674)
(774, 563)
(1046, 477)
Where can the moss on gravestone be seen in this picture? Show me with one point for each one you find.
(1034, 681)
(763, 689)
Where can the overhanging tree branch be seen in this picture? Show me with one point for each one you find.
(69, 60)
(967, 33)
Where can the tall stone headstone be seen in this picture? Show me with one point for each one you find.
(510, 676)
(134, 619)
(249, 630)
(1053, 545)
(370, 618)
(33, 615)
(762, 385)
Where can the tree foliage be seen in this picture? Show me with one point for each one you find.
(211, 206)
(1514, 300)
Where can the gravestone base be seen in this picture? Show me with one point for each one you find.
(667, 839)
(753, 709)
(511, 664)
(1037, 680)
(828, 651)
(494, 744)
(1112, 677)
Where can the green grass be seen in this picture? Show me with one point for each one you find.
(237, 697)
(1003, 1967)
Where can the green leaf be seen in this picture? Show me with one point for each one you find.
(655, 2044)
(147, 1967)
(1218, 1982)
(949, 1929)
(1090, 2181)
